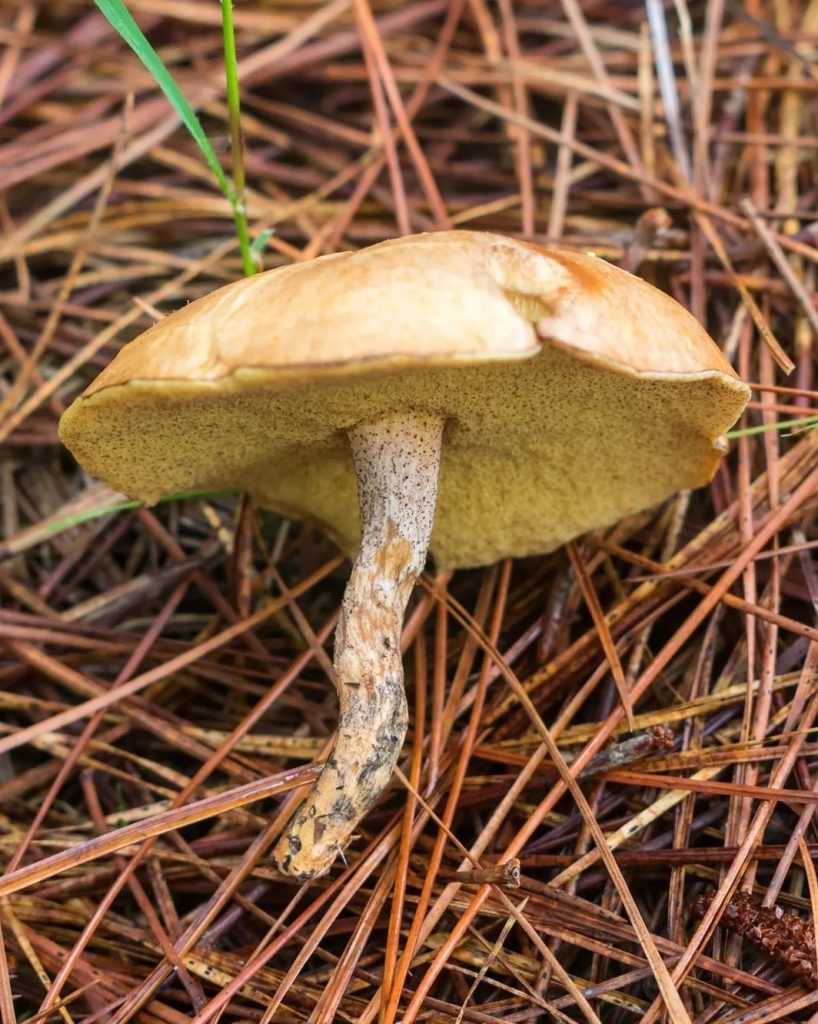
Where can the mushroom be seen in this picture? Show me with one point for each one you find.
(478, 395)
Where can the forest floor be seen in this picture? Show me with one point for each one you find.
(165, 672)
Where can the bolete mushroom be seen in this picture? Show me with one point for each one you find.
(483, 396)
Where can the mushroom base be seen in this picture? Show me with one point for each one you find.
(397, 459)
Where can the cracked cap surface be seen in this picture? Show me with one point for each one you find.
(573, 392)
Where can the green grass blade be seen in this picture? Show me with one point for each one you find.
(798, 426)
(259, 244)
(231, 74)
(88, 515)
(120, 19)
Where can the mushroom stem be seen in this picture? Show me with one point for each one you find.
(397, 459)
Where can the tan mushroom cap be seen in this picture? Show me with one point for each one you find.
(573, 392)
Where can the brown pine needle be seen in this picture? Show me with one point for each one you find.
(605, 638)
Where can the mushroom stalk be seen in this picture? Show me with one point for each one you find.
(396, 459)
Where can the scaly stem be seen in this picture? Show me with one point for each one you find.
(396, 462)
(236, 146)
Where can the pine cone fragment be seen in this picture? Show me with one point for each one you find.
(784, 937)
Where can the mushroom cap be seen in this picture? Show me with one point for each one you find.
(573, 392)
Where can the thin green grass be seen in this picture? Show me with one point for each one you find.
(249, 258)
(87, 515)
(119, 18)
(800, 426)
